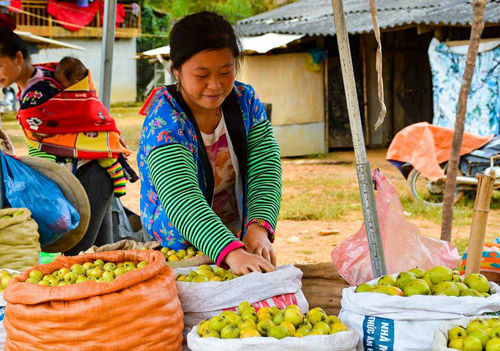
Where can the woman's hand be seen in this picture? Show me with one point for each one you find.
(257, 242)
(242, 262)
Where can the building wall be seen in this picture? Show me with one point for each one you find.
(124, 75)
(297, 98)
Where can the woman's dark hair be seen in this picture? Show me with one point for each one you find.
(200, 32)
(10, 42)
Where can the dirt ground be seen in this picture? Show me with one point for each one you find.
(301, 241)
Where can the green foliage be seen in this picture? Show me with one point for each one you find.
(156, 29)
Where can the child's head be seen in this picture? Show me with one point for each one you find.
(69, 71)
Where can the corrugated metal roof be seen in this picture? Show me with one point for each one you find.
(314, 17)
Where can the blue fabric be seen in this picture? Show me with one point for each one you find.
(483, 105)
(166, 124)
(26, 187)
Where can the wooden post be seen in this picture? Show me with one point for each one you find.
(451, 177)
(479, 221)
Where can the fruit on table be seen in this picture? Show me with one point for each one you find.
(478, 335)
(439, 280)
(5, 277)
(172, 255)
(269, 322)
(99, 271)
(206, 273)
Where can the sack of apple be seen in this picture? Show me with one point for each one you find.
(274, 329)
(207, 291)
(75, 302)
(5, 276)
(388, 310)
(468, 334)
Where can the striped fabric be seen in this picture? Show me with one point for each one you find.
(42, 154)
(174, 175)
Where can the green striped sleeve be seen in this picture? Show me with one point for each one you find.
(42, 154)
(174, 176)
(264, 174)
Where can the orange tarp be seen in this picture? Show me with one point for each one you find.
(426, 146)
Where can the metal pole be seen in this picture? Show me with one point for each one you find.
(362, 165)
(108, 38)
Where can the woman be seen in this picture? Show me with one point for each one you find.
(209, 164)
(99, 175)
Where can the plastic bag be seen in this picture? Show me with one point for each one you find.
(26, 187)
(404, 248)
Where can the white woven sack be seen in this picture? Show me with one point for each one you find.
(407, 323)
(342, 341)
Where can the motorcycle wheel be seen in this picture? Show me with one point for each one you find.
(427, 192)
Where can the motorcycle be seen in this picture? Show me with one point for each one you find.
(485, 160)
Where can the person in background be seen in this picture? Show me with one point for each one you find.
(37, 85)
(209, 165)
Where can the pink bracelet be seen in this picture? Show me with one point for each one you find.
(264, 224)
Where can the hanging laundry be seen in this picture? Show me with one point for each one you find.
(483, 104)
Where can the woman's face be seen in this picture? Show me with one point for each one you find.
(10, 69)
(208, 77)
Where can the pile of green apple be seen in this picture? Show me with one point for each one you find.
(206, 273)
(5, 277)
(99, 271)
(269, 322)
(439, 280)
(15, 214)
(172, 255)
(479, 335)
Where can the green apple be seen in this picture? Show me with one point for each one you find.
(230, 332)
(249, 333)
(495, 332)
(337, 327)
(364, 288)
(87, 265)
(70, 277)
(244, 306)
(279, 317)
(295, 307)
(231, 318)
(109, 266)
(303, 331)
(217, 323)
(32, 280)
(322, 327)
(77, 269)
(417, 287)
(332, 320)
(493, 344)
(481, 334)
(203, 327)
(471, 343)
(248, 324)
(316, 315)
(457, 344)
(290, 327)
(404, 278)
(99, 263)
(212, 334)
(392, 290)
(5, 280)
(470, 292)
(142, 264)
(264, 325)
(477, 282)
(419, 272)
(493, 322)
(95, 272)
(278, 332)
(386, 280)
(44, 282)
(306, 324)
(129, 266)
(476, 323)
(446, 288)
(219, 271)
(456, 278)
(440, 274)
(80, 279)
(36, 274)
(461, 286)
(456, 333)
(293, 316)
(249, 315)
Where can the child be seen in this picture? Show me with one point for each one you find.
(69, 71)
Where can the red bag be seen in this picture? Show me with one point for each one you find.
(404, 248)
